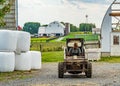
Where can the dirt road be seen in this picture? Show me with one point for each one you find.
(104, 74)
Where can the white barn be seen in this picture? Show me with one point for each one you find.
(53, 29)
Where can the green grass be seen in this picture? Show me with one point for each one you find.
(39, 39)
(112, 59)
(55, 56)
(58, 56)
(47, 46)
(6, 76)
(87, 37)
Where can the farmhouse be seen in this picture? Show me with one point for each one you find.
(110, 32)
(54, 29)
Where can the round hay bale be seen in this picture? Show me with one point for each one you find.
(7, 61)
(36, 60)
(23, 41)
(8, 41)
(23, 61)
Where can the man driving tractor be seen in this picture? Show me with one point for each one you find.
(74, 59)
(75, 50)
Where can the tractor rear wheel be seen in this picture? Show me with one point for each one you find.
(61, 70)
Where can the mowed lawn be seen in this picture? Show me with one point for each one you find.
(86, 37)
(112, 59)
(54, 56)
(58, 56)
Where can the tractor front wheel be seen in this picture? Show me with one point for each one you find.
(61, 70)
(89, 71)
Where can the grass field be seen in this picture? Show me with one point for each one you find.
(55, 56)
(58, 56)
(47, 46)
(87, 37)
(112, 59)
(39, 39)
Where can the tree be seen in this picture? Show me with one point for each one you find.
(5, 9)
(31, 27)
(86, 27)
(73, 28)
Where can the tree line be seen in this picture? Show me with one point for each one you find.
(32, 27)
(83, 27)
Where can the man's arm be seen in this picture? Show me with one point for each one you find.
(79, 51)
(70, 51)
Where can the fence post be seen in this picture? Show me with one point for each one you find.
(40, 47)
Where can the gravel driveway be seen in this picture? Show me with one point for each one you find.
(104, 74)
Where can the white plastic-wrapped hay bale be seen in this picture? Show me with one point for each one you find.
(8, 41)
(36, 60)
(93, 54)
(7, 61)
(23, 41)
(23, 61)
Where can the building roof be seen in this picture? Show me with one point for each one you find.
(56, 22)
(53, 27)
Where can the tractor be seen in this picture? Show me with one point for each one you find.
(74, 64)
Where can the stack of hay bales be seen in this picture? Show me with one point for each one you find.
(14, 52)
(25, 59)
(8, 42)
(22, 56)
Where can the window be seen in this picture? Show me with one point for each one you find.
(44, 34)
(115, 40)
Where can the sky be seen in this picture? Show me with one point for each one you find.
(71, 11)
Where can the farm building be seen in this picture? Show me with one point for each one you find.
(115, 44)
(42, 31)
(110, 31)
(11, 18)
(54, 29)
(96, 30)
